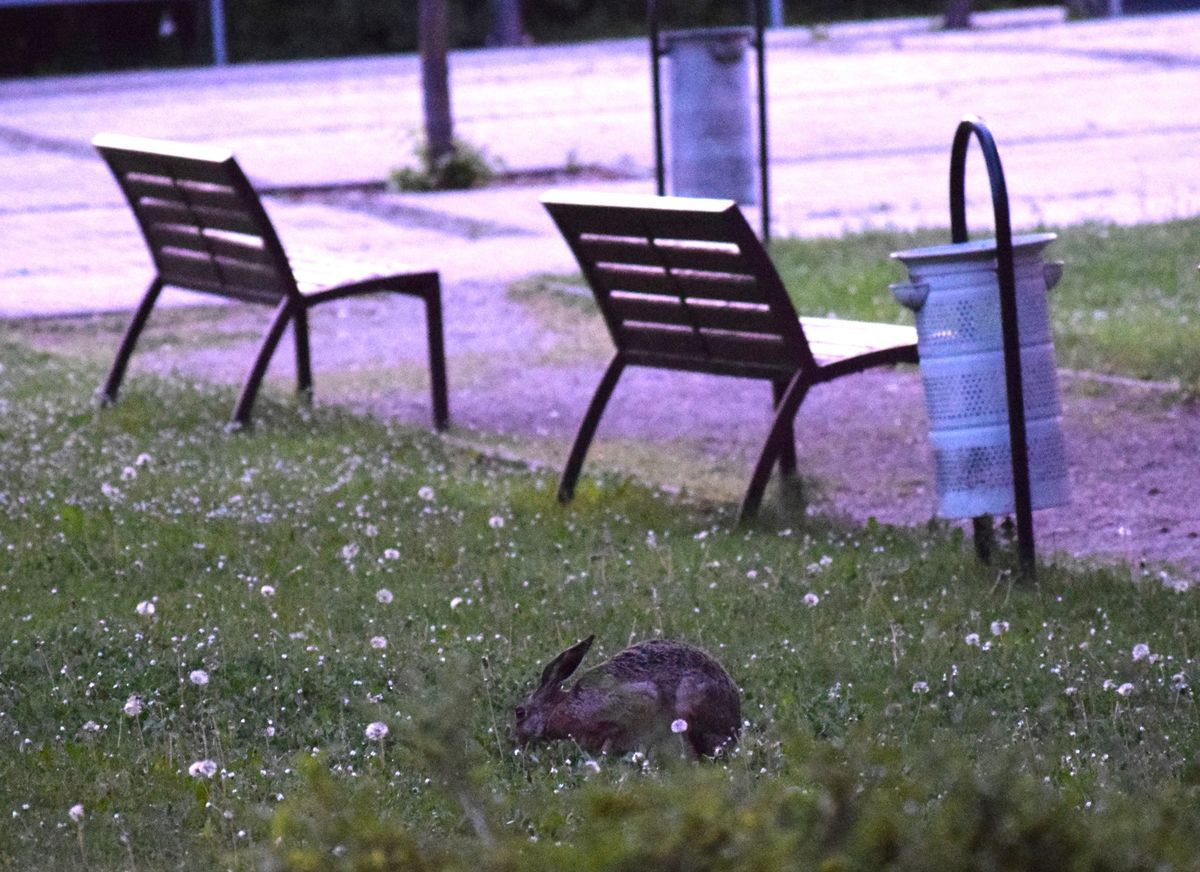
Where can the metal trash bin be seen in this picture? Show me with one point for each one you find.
(954, 291)
(710, 134)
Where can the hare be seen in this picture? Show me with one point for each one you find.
(633, 701)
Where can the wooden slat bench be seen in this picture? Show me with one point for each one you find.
(208, 232)
(685, 284)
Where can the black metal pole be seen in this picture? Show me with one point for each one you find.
(660, 176)
(1008, 314)
(760, 48)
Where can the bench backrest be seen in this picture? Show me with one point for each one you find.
(682, 283)
(202, 220)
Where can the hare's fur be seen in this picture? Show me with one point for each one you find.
(631, 701)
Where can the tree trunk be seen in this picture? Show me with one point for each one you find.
(505, 27)
(433, 34)
(958, 14)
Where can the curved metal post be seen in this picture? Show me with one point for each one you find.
(1022, 501)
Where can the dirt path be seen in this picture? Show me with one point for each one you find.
(523, 367)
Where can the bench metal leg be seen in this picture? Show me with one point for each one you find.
(304, 379)
(774, 447)
(587, 429)
(108, 393)
(437, 355)
(245, 402)
(787, 456)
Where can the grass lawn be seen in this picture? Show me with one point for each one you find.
(197, 629)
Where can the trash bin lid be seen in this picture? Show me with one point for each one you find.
(978, 249)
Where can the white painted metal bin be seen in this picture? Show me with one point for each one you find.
(954, 291)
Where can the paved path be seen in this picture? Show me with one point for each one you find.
(1094, 120)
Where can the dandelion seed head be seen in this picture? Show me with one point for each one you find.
(198, 677)
(203, 769)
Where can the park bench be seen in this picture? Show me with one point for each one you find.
(685, 284)
(208, 232)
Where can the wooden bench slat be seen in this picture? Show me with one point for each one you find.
(697, 312)
(169, 212)
(125, 163)
(236, 246)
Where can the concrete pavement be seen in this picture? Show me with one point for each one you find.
(1093, 121)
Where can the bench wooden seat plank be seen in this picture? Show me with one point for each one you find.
(684, 284)
(207, 231)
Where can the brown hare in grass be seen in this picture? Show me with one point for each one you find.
(634, 701)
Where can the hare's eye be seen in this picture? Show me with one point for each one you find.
(521, 712)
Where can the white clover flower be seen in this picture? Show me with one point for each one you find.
(1179, 681)
(1108, 684)
(592, 766)
(679, 725)
(383, 595)
(75, 813)
(426, 493)
(920, 687)
(456, 602)
(999, 628)
(145, 608)
(267, 590)
(972, 639)
(203, 769)
(128, 474)
(133, 706)
(142, 459)
(811, 599)
(1125, 689)
(1140, 651)
(91, 727)
(391, 554)
(349, 551)
(198, 677)
(376, 730)
(111, 491)
(495, 522)
(379, 642)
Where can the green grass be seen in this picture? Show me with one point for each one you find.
(925, 712)
(1127, 304)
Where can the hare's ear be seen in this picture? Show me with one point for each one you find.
(560, 668)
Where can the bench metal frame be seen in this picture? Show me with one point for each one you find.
(207, 231)
(683, 283)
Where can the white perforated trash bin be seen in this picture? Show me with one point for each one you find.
(954, 291)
